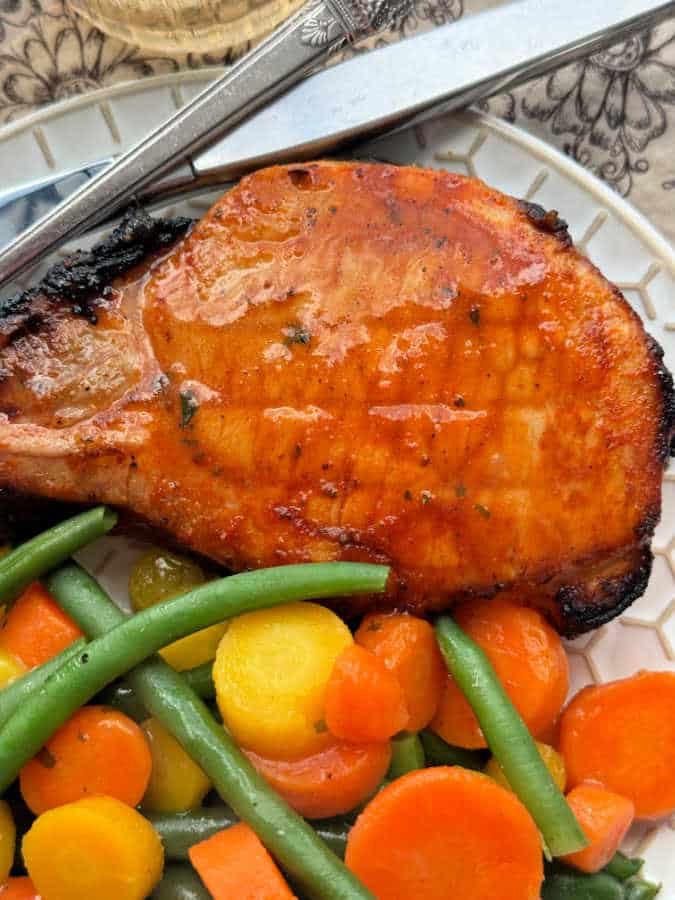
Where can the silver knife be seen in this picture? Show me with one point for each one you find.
(299, 44)
(21, 206)
(390, 88)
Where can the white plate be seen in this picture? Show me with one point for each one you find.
(622, 243)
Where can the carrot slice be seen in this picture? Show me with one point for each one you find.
(529, 659)
(407, 646)
(605, 817)
(21, 888)
(36, 629)
(446, 832)
(98, 751)
(455, 721)
(234, 863)
(330, 782)
(364, 700)
(622, 735)
(94, 849)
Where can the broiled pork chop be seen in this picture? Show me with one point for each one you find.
(358, 362)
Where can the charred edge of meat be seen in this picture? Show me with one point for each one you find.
(86, 274)
(547, 221)
(580, 612)
(644, 530)
(666, 446)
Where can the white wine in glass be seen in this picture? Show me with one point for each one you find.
(183, 26)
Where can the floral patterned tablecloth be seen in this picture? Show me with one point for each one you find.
(613, 112)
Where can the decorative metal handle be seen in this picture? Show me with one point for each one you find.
(358, 18)
(279, 61)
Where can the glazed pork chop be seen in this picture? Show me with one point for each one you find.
(345, 361)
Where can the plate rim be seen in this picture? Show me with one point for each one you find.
(632, 217)
(534, 146)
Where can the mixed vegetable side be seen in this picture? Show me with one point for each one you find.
(235, 739)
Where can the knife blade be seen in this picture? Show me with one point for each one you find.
(302, 42)
(443, 70)
(396, 86)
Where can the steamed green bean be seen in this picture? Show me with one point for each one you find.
(45, 551)
(509, 740)
(165, 694)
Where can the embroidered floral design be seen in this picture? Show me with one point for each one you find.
(425, 14)
(422, 15)
(15, 13)
(611, 104)
(53, 55)
(501, 105)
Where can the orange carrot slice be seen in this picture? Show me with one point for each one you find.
(446, 832)
(605, 817)
(234, 863)
(36, 629)
(455, 721)
(98, 751)
(622, 735)
(364, 700)
(407, 646)
(529, 659)
(330, 782)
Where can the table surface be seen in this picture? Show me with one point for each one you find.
(613, 112)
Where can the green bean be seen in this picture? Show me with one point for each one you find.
(570, 885)
(35, 557)
(335, 832)
(179, 831)
(641, 890)
(622, 866)
(200, 679)
(288, 837)
(17, 692)
(84, 600)
(614, 882)
(439, 753)
(121, 695)
(291, 840)
(407, 754)
(509, 740)
(180, 883)
(137, 637)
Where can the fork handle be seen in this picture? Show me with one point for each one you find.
(279, 61)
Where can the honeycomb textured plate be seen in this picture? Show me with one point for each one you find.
(605, 227)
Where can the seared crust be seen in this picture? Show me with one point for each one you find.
(547, 221)
(667, 421)
(597, 601)
(348, 361)
(84, 278)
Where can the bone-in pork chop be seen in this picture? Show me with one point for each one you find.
(360, 362)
